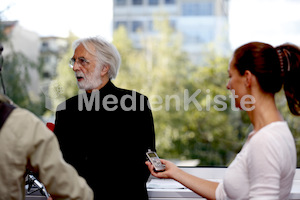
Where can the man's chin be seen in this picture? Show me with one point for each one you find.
(81, 86)
(87, 86)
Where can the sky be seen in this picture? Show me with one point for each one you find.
(271, 21)
(58, 17)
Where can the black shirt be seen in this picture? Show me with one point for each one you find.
(105, 135)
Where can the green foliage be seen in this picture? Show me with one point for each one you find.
(3, 36)
(16, 77)
(161, 71)
(64, 85)
(16, 69)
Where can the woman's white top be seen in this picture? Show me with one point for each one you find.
(264, 168)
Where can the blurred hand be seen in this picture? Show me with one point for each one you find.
(170, 171)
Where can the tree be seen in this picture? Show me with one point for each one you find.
(64, 85)
(16, 76)
(194, 113)
(163, 72)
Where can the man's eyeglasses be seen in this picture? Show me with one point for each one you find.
(81, 61)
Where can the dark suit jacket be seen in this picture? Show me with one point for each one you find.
(105, 136)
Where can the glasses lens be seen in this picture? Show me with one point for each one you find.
(80, 61)
(71, 62)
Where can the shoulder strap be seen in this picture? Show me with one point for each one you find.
(5, 110)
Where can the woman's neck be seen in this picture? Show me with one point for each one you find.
(265, 111)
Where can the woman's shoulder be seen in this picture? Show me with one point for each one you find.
(273, 135)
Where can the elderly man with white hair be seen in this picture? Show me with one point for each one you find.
(105, 131)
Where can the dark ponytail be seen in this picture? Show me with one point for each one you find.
(273, 67)
(289, 56)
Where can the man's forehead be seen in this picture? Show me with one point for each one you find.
(81, 51)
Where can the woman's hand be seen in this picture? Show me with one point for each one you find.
(200, 186)
(170, 171)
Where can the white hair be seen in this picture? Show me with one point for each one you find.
(105, 52)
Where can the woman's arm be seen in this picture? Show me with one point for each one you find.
(200, 186)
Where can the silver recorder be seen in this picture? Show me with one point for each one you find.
(154, 159)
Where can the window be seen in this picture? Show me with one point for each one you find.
(150, 25)
(45, 44)
(196, 9)
(137, 25)
(153, 2)
(137, 2)
(120, 2)
(120, 23)
(169, 1)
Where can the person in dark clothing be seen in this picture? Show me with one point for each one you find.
(105, 131)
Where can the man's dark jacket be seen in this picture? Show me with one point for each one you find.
(105, 137)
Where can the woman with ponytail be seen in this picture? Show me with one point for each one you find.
(265, 167)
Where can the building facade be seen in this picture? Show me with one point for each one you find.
(201, 22)
(51, 50)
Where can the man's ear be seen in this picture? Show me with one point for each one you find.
(105, 70)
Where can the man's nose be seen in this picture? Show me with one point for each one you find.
(76, 67)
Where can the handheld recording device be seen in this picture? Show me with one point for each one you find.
(154, 159)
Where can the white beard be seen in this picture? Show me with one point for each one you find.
(90, 80)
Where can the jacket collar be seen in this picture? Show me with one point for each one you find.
(106, 89)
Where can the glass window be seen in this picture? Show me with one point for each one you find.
(45, 44)
(120, 2)
(196, 9)
(169, 1)
(172, 24)
(153, 2)
(120, 23)
(137, 2)
(137, 25)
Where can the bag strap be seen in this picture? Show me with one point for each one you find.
(5, 110)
